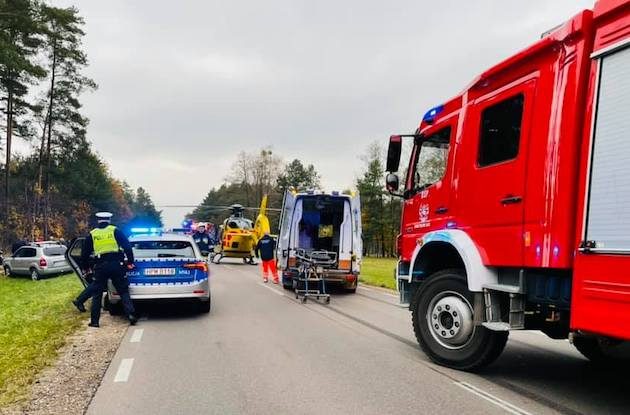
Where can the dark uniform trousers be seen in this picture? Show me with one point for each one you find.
(104, 270)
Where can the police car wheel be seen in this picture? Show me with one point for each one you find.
(115, 309)
(204, 306)
(34, 274)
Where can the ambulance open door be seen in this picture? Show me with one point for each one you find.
(284, 234)
(357, 236)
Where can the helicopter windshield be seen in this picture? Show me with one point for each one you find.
(240, 223)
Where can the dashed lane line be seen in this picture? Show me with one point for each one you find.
(136, 336)
(124, 369)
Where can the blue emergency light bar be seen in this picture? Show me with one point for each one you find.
(430, 116)
(146, 230)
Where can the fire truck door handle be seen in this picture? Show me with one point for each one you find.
(441, 210)
(511, 200)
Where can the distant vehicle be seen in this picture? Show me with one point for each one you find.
(168, 267)
(315, 221)
(37, 260)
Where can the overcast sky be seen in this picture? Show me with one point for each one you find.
(185, 85)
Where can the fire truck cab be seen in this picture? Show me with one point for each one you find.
(517, 200)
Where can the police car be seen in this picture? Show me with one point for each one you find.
(169, 266)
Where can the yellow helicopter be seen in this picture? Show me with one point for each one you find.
(239, 235)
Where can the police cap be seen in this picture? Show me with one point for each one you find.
(104, 216)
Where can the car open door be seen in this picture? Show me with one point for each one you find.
(284, 234)
(357, 232)
(73, 256)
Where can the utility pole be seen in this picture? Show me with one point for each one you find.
(9, 112)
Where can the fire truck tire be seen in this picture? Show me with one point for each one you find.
(603, 351)
(443, 323)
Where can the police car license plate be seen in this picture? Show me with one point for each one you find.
(159, 271)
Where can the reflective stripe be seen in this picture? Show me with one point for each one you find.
(104, 240)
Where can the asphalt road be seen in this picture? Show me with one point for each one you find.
(259, 351)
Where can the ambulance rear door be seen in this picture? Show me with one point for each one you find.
(284, 235)
(357, 232)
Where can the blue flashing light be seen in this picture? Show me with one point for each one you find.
(146, 231)
(429, 117)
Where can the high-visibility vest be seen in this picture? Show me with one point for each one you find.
(104, 240)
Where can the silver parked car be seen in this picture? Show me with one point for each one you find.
(37, 260)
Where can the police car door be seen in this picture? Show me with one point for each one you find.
(73, 256)
(284, 236)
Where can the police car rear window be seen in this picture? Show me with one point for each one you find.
(54, 250)
(162, 249)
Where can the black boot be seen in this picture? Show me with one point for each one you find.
(79, 306)
(93, 324)
(132, 319)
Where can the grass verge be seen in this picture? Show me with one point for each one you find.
(35, 319)
(378, 272)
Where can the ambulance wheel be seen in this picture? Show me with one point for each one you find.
(115, 309)
(443, 322)
(603, 351)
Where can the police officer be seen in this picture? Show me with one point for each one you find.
(202, 239)
(107, 243)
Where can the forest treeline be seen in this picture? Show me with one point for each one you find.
(264, 172)
(52, 189)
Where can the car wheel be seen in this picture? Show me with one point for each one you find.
(204, 306)
(115, 309)
(35, 275)
(7, 271)
(443, 322)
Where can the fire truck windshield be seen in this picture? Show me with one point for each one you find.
(431, 158)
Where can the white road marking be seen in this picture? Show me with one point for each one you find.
(362, 287)
(513, 409)
(262, 284)
(124, 370)
(136, 336)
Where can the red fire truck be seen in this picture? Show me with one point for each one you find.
(517, 200)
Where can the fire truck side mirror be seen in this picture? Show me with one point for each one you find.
(391, 183)
(393, 153)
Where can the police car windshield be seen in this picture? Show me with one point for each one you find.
(162, 249)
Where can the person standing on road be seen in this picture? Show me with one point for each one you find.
(202, 239)
(107, 243)
(266, 251)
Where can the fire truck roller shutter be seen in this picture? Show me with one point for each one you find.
(608, 220)
(477, 273)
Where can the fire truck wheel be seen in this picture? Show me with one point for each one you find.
(603, 351)
(443, 322)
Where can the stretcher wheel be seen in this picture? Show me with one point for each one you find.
(303, 300)
(327, 300)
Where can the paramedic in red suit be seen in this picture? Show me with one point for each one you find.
(266, 251)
